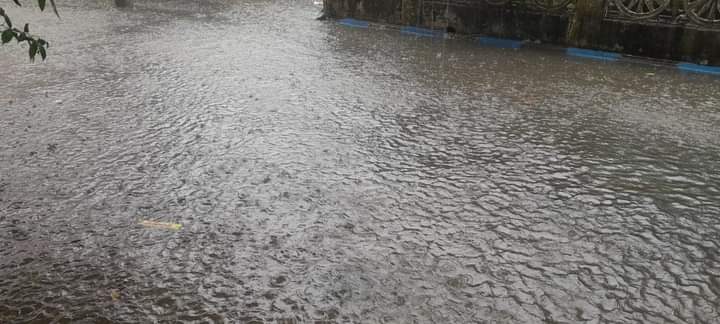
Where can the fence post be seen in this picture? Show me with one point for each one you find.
(409, 12)
(586, 23)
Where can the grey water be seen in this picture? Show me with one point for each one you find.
(325, 174)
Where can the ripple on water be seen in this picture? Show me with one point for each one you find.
(332, 175)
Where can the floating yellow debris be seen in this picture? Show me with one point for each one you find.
(114, 294)
(161, 225)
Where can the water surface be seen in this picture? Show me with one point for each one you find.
(338, 175)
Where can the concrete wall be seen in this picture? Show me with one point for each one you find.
(672, 32)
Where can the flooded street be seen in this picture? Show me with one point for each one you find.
(325, 174)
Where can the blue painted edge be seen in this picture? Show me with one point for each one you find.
(515, 44)
(592, 54)
(423, 32)
(696, 68)
(500, 42)
(354, 23)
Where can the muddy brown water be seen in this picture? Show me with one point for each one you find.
(338, 175)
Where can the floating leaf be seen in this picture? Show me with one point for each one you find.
(41, 3)
(17, 2)
(43, 53)
(27, 28)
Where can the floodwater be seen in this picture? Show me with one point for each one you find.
(324, 174)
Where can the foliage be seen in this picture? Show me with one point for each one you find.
(36, 45)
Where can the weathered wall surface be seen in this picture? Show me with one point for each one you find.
(686, 30)
(386, 11)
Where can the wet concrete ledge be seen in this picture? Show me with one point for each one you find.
(602, 25)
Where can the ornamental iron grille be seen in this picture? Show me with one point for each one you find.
(697, 14)
(554, 7)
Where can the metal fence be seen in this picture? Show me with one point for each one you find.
(697, 14)
(537, 4)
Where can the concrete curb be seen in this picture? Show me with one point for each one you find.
(696, 68)
(500, 42)
(422, 32)
(517, 44)
(354, 23)
(592, 54)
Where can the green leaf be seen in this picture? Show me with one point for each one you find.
(43, 54)
(33, 50)
(7, 21)
(17, 3)
(41, 3)
(52, 3)
(27, 28)
(7, 36)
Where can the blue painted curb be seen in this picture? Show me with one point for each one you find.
(591, 54)
(515, 44)
(500, 42)
(696, 68)
(422, 32)
(354, 23)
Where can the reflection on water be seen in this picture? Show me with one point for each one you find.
(341, 175)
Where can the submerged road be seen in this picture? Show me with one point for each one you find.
(339, 175)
